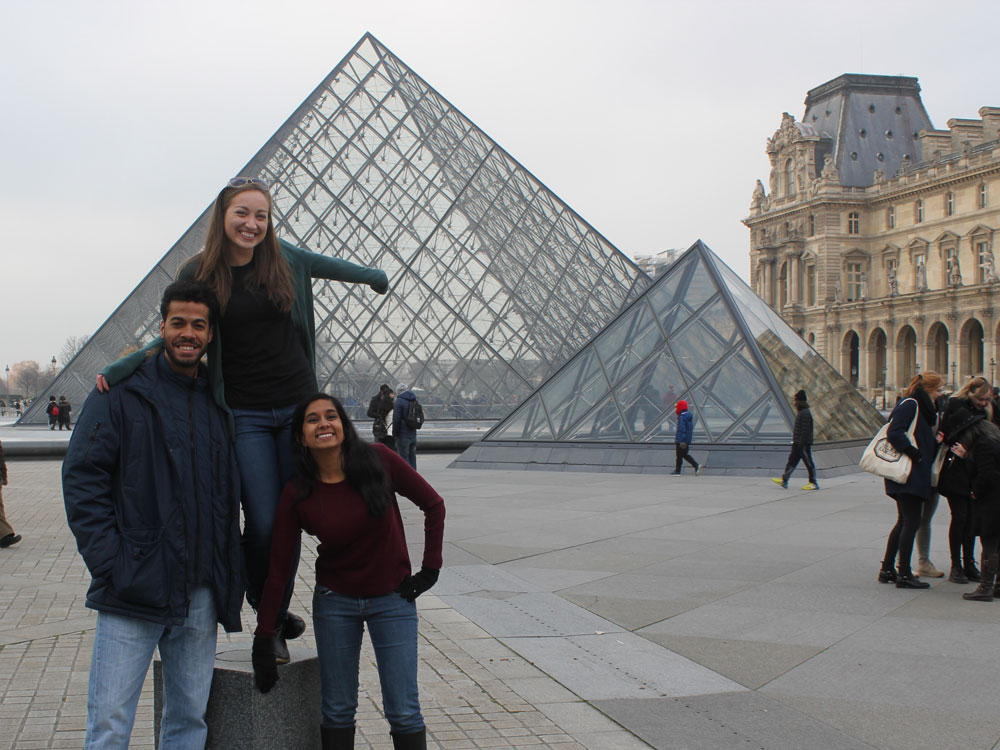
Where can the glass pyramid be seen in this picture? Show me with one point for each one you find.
(698, 333)
(495, 282)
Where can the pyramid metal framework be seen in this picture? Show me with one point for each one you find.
(699, 333)
(494, 281)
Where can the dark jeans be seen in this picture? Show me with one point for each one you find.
(908, 509)
(407, 448)
(264, 455)
(803, 452)
(682, 454)
(960, 536)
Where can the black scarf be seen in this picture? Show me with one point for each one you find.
(927, 409)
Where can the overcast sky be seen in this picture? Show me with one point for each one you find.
(120, 121)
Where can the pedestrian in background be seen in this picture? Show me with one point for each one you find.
(916, 408)
(402, 429)
(682, 439)
(7, 535)
(52, 409)
(802, 440)
(64, 411)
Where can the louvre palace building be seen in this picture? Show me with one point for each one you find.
(874, 236)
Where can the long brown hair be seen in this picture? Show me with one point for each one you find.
(928, 380)
(270, 272)
(978, 387)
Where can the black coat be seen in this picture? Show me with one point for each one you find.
(802, 432)
(922, 454)
(986, 485)
(126, 474)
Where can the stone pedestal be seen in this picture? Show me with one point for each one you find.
(240, 716)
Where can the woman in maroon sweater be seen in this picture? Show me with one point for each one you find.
(344, 494)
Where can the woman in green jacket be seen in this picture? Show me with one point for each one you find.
(261, 358)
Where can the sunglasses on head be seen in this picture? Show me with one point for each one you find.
(238, 182)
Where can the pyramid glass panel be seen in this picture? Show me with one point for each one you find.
(494, 281)
(839, 413)
(698, 333)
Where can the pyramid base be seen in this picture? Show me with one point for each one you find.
(832, 459)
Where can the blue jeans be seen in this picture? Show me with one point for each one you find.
(264, 455)
(407, 448)
(123, 650)
(339, 622)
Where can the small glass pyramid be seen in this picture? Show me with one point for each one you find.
(700, 334)
(494, 281)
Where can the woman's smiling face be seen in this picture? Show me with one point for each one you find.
(245, 220)
(321, 426)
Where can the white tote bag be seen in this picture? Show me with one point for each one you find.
(882, 459)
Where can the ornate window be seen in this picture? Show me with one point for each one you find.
(890, 218)
(810, 285)
(918, 210)
(855, 281)
(854, 223)
(982, 195)
(949, 203)
(789, 178)
(985, 270)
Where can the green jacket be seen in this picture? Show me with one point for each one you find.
(305, 266)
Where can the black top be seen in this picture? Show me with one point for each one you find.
(264, 364)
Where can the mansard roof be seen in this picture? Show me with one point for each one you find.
(871, 123)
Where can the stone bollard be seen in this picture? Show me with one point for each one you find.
(240, 716)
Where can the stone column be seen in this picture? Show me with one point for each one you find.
(863, 384)
(954, 376)
(890, 359)
(989, 342)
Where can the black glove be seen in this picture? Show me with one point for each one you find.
(913, 452)
(413, 586)
(265, 668)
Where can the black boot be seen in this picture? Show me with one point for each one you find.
(984, 592)
(411, 741)
(971, 571)
(888, 573)
(337, 738)
(958, 574)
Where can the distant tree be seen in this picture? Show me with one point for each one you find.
(72, 347)
(27, 378)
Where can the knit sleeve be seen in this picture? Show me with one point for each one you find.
(337, 269)
(405, 481)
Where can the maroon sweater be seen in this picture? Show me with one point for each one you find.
(358, 555)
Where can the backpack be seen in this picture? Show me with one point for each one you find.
(55, 410)
(414, 416)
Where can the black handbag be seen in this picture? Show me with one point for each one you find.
(954, 479)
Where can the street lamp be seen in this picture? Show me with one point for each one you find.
(993, 368)
(884, 374)
(954, 382)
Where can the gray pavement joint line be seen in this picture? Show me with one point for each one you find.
(47, 630)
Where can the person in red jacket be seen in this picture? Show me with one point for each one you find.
(343, 492)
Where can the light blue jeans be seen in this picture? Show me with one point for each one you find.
(123, 650)
(339, 622)
(264, 455)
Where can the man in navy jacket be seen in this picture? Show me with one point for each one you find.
(152, 497)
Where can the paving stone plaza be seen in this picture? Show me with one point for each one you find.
(599, 611)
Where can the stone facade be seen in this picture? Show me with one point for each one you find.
(875, 237)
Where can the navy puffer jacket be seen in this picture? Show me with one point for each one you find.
(146, 489)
